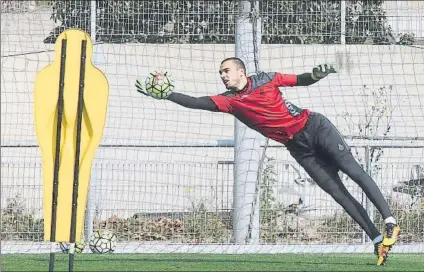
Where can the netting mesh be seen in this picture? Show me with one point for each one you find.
(164, 174)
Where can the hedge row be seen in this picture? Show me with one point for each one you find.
(178, 21)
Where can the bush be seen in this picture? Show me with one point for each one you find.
(279, 224)
(410, 220)
(342, 228)
(178, 21)
(142, 229)
(270, 215)
(339, 228)
(202, 226)
(195, 226)
(17, 223)
(163, 21)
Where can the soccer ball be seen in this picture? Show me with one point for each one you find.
(79, 246)
(159, 84)
(103, 241)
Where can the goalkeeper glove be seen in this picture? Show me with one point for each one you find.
(141, 88)
(322, 71)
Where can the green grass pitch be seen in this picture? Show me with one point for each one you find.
(209, 262)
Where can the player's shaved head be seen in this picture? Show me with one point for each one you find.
(238, 62)
(233, 74)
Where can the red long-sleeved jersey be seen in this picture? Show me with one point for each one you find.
(261, 107)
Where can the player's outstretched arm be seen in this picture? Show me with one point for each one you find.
(201, 103)
(305, 79)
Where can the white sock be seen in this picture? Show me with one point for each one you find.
(390, 219)
(377, 239)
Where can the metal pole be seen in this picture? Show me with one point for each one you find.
(60, 109)
(247, 147)
(90, 208)
(343, 22)
(365, 200)
(75, 188)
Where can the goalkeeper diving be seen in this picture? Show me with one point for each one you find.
(310, 137)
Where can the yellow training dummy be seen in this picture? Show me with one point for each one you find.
(77, 75)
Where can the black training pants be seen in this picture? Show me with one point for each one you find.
(322, 152)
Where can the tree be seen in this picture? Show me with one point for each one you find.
(178, 21)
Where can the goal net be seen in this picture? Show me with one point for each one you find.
(170, 179)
